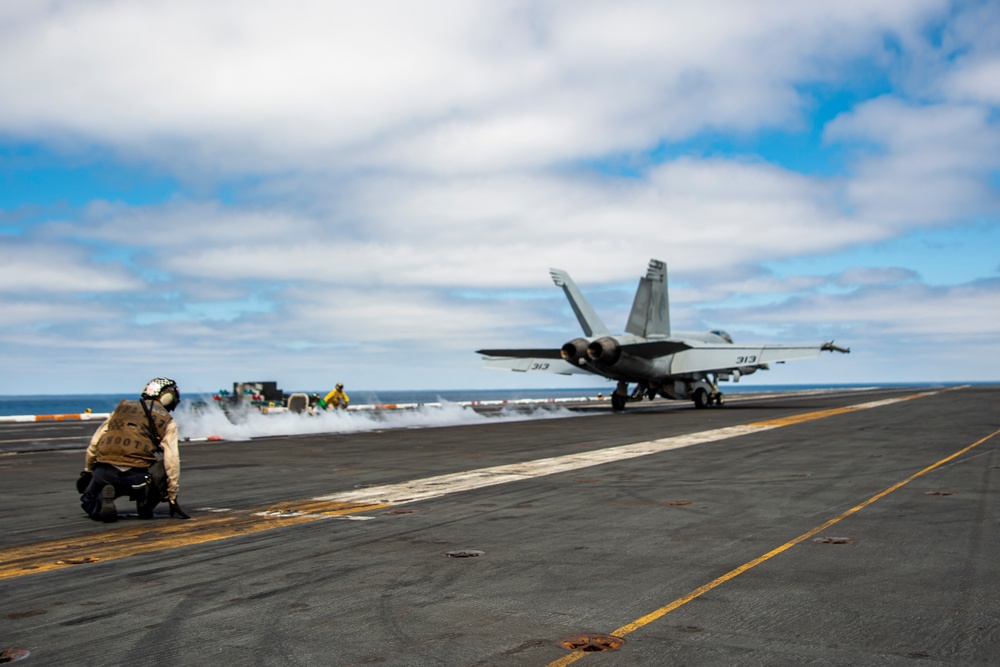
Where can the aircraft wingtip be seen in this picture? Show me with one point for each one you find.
(830, 347)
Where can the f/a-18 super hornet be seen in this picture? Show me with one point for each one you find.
(676, 365)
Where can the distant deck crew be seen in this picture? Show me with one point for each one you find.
(337, 398)
(134, 453)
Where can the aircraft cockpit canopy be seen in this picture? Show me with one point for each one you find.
(724, 336)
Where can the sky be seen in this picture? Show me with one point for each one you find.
(311, 192)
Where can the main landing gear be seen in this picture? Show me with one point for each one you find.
(620, 396)
(705, 392)
(704, 399)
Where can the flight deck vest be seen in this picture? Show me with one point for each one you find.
(128, 441)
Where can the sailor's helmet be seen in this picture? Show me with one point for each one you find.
(163, 390)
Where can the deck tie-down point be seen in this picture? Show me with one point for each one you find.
(590, 642)
(465, 553)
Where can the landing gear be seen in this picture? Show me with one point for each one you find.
(702, 399)
(706, 393)
(619, 397)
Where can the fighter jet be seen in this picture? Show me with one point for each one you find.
(675, 365)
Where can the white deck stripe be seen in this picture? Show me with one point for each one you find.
(442, 485)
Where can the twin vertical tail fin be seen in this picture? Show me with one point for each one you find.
(585, 314)
(650, 314)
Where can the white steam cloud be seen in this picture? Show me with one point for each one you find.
(210, 421)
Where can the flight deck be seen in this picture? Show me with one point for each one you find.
(831, 528)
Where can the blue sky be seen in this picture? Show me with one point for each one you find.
(323, 192)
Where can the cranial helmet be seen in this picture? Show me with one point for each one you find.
(163, 390)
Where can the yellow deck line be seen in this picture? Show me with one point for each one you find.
(823, 414)
(157, 536)
(732, 574)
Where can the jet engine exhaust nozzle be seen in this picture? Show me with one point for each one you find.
(604, 351)
(575, 350)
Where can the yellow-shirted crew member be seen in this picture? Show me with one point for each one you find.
(337, 398)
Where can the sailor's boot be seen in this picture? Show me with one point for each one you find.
(109, 513)
(143, 494)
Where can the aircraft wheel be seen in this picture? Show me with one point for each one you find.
(702, 399)
(617, 402)
(719, 401)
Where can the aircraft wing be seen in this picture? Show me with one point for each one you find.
(706, 359)
(522, 353)
(529, 361)
(655, 348)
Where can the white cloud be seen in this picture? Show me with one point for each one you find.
(905, 311)
(35, 269)
(978, 81)
(27, 316)
(931, 163)
(497, 231)
(405, 174)
(440, 86)
(973, 40)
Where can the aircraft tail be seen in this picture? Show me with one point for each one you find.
(650, 314)
(587, 316)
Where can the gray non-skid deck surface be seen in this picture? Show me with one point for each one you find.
(589, 550)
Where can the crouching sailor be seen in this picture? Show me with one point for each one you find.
(134, 453)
